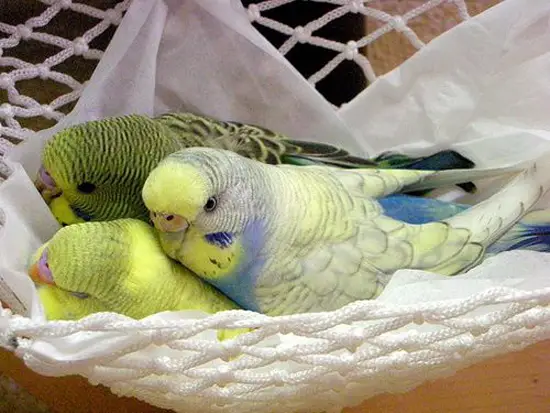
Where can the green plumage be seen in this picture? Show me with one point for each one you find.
(100, 166)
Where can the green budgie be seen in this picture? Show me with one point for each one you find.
(285, 239)
(99, 167)
(116, 266)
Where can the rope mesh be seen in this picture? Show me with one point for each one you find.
(48, 50)
(305, 362)
(338, 350)
(386, 33)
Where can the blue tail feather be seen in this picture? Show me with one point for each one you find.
(531, 233)
(419, 210)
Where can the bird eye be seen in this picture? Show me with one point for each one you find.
(211, 204)
(86, 187)
(80, 295)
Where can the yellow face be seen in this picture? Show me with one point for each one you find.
(174, 189)
(63, 212)
(203, 258)
(201, 206)
(175, 195)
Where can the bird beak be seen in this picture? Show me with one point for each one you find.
(37, 276)
(169, 222)
(49, 194)
(34, 273)
(40, 271)
(46, 186)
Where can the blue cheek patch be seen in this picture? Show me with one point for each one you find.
(220, 239)
(240, 284)
(79, 213)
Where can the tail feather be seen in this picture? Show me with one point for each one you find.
(308, 153)
(531, 233)
(264, 145)
(447, 159)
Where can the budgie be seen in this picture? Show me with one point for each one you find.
(283, 240)
(99, 167)
(117, 266)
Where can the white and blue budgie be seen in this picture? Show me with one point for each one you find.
(285, 239)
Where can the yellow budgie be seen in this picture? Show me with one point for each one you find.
(117, 266)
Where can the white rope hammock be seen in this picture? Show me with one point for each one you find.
(15, 70)
(350, 50)
(299, 363)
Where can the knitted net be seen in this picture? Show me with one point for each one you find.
(304, 362)
(48, 50)
(50, 47)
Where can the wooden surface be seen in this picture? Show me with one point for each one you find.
(71, 394)
(393, 48)
(517, 382)
(514, 383)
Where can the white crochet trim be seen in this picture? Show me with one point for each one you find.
(333, 359)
